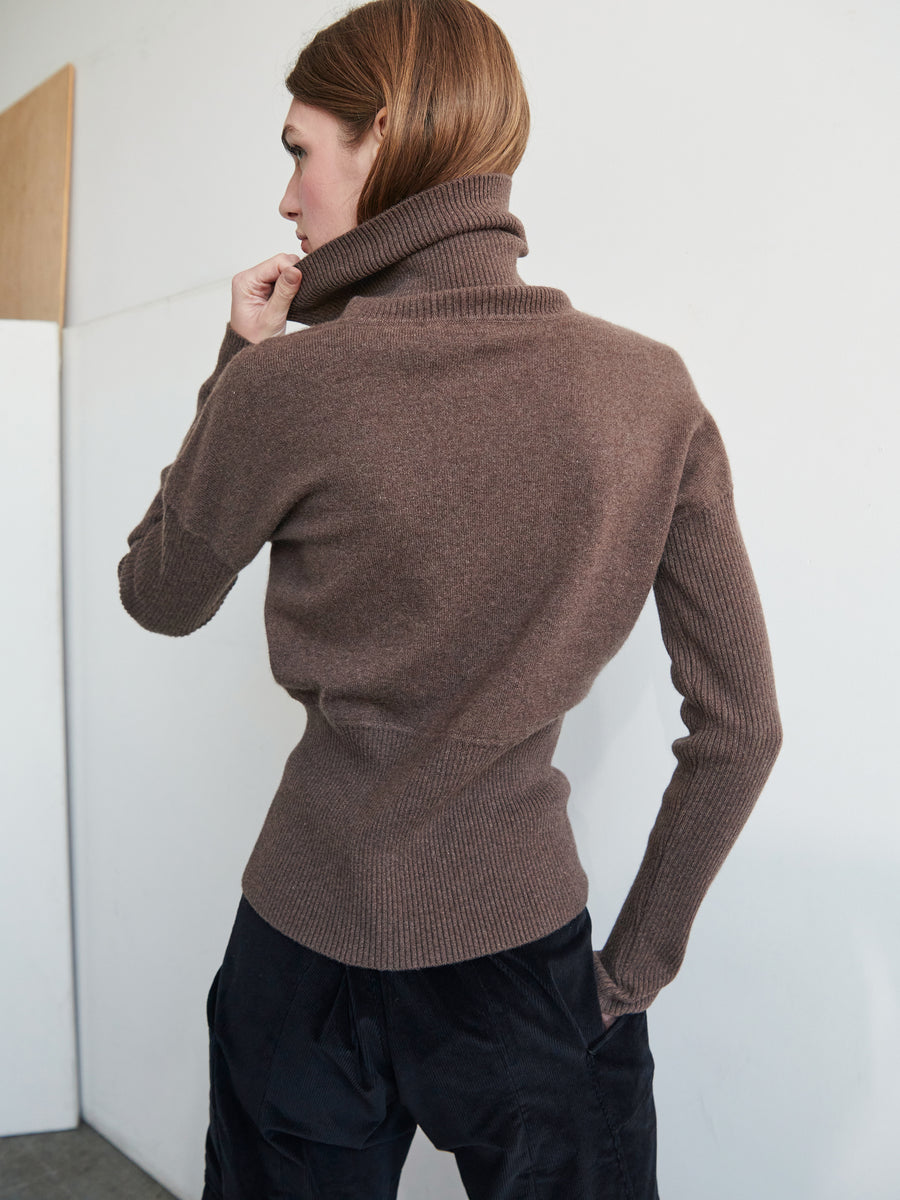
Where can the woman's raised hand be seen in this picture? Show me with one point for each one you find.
(261, 296)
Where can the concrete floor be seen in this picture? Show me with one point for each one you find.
(73, 1164)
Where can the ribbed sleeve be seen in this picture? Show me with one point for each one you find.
(713, 628)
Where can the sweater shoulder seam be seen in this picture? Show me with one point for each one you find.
(169, 507)
(704, 511)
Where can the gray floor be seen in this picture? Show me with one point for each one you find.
(74, 1164)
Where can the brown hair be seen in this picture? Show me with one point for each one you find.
(455, 100)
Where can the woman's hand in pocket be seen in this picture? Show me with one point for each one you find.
(607, 1019)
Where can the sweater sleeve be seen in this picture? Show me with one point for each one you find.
(713, 628)
(217, 504)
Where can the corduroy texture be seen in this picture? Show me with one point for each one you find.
(470, 489)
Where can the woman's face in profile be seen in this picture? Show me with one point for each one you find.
(327, 179)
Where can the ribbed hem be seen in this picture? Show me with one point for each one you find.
(471, 855)
(486, 301)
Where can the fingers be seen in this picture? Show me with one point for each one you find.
(268, 271)
(278, 265)
(283, 293)
(262, 295)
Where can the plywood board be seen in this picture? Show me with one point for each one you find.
(35, 172)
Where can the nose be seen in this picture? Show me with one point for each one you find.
(290, 201)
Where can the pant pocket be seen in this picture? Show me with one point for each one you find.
(595, 1046)
(623, 1067)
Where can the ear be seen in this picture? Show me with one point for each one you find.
(379, 125)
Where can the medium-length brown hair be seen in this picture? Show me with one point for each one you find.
(455, 100)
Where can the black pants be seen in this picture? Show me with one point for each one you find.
(320, 1073)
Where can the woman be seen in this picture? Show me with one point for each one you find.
(470, 489)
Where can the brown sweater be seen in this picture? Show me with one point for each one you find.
(470, 488)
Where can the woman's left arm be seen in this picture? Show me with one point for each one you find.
(218, 502)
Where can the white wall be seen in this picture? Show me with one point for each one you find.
(38, 1067)
(718, 177)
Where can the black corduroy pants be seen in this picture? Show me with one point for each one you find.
(320, 1073)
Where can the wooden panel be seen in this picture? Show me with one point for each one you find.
(35, 170)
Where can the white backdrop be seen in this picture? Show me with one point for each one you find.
(716, 176)
(38, 1063)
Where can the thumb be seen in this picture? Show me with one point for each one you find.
(289, 279)
(282, 294)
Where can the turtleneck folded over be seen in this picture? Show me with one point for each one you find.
(469, 489)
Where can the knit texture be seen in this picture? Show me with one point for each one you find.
(469, 488)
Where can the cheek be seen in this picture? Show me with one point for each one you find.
(309, 192)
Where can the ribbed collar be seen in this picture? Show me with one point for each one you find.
(450, 250)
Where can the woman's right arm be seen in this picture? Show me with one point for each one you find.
(714, 630)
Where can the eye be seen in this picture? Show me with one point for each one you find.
(296, 152)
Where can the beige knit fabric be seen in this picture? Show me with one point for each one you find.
(470, 488)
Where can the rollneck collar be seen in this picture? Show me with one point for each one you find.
(448, 250)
